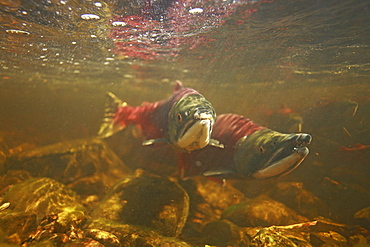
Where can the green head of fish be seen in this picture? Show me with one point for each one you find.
(191, 121)
(267, 153)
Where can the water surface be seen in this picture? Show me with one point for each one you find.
(252, 58)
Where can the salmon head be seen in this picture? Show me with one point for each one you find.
(267, 153)
(190, 122)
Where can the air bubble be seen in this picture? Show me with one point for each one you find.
(18, 32)
(90, 17)
(196, 11)
(119, 24)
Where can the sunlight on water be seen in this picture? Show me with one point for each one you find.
(291, 66)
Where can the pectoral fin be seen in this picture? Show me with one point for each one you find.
(219, 172)
(155, 141)
(215, 143)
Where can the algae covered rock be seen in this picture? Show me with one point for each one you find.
(44, 197)
(295, 195)
(219, 196)
(261, 211)
(224, 233)
(45, 209)
(114, 234)
(282, 236)
(88, 166)
(146, 200)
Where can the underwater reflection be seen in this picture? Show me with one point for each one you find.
(156, 29)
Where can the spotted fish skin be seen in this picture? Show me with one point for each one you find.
(250, 150)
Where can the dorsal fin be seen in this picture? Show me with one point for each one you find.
(178, 86)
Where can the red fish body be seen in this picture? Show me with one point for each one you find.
(229, 128)
(169, 120)
(250, 150)
(151, 117)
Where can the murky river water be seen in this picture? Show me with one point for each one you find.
(266, 60)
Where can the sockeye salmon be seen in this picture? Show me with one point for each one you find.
(184, 120)
(250, 150)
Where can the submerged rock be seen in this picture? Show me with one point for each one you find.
(295, 195)
(46, 209)
(44, 197)
(327, 225)
(329, 238)
(335, 193)
(145, 200)
(200, 212)
(142, 209)
(283, 236)
(219, 196)
(363, 214)
(88, 166)
(111, 233)
(11, 178)
(262, 211)
(224, 233)
(10, 223)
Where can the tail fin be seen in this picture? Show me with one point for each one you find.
(109, 127)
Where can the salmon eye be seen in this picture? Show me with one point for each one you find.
(179, 117)
(262, 150)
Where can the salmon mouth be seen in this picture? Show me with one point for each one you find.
(286, 158)
(196, 134)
